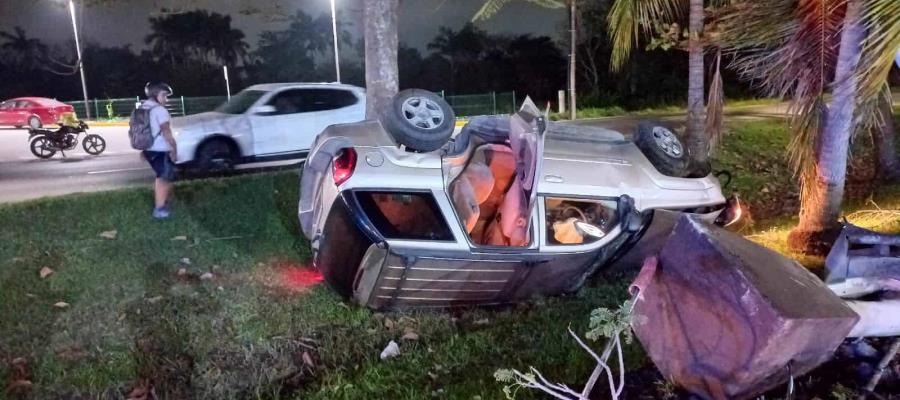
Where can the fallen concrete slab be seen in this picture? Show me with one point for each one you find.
(726, 318)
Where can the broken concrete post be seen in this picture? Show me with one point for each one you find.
(726, 318)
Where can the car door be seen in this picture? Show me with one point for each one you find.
(450, 269)
(300, 115)
(6, 112)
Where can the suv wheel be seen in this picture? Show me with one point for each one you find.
(420, 120)
(216, 156)
(663, 148)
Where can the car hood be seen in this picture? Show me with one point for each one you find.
(209, 122)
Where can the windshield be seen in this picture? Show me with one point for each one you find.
(240, 102)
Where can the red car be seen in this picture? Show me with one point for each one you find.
(33, 112)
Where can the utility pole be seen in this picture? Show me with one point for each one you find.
(87, 110)
(572, 49)
(227, 82)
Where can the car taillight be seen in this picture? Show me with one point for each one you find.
(343, 165)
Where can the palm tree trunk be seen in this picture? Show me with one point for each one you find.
(382, 74)
(697, 140)
(885, 142)
(824, 190)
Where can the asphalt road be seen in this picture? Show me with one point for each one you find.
(23, 176)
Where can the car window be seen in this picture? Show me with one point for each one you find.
(294, 101)
(287, 102)
(577, 221)
(400, 215)
(6, 105)
(25, 104)
(240, 102)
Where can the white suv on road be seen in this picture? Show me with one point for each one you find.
(267, 122)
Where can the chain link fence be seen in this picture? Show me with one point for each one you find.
(109, 109)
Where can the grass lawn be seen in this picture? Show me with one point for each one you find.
(218, 302)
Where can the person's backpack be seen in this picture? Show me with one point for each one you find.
(139, 130)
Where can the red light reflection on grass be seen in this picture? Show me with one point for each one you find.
(298, 278)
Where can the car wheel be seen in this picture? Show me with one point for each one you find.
(41, 147)
(216, 156)
(420, 120)
(663, 148)
(34, 122)
(341, 250)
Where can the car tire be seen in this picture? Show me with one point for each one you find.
(663, 148)
(420, 120)
(216, 156)
(341, 250)
(34, 122)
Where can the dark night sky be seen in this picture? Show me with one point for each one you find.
(126, 23)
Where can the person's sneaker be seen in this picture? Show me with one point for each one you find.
(161, 213)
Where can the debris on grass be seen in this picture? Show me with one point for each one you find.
(392, 350)
(185, 261)
(19, 377)
(143, 390)
(182, 271)
(109, 235)
(61, 304)
(207, 276)
(410, 335)
(179, 238)
(45, 272)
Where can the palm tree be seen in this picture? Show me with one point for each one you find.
(25, 52)
(628, 19)
(799, 50)
(196, 36)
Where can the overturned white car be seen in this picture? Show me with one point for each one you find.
(399, 214)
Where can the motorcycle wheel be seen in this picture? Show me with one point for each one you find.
(93, 144)
(42, 147)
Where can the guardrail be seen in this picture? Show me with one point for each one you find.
(464, 105)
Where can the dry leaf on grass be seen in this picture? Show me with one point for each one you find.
(141, 391)
(45, 272)
(307, 359)
(61, 304)
(410, 336)
(109, 235)
(19, 377)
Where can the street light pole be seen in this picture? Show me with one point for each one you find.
(87, 109)
(334, 34)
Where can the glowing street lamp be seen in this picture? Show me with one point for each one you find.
(87, 109)
(334, 34)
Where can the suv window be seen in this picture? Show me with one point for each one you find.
(294, 101)
(596, 217)
(401, 215)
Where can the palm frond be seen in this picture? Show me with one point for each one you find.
(627, 19)
(881, 19)
(789, 50)
(715, 107)
(491, 7)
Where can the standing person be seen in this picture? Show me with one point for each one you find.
(161, 155)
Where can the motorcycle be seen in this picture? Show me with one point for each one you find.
(45, 143)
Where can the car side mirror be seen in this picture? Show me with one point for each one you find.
(264, 110)
(631, 219)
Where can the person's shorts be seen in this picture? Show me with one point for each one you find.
(162, 165)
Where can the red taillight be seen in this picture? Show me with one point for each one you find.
(343, 165)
